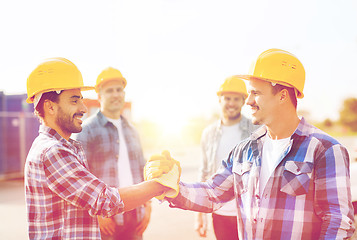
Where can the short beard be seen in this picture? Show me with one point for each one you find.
(234, 117)
(65, 122)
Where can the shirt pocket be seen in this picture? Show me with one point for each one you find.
(241, 172)
(296, 178)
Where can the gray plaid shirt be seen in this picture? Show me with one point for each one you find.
(210, 139)
(100, 140)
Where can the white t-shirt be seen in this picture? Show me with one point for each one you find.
(272, 153)
(124, 170)
(230, 138)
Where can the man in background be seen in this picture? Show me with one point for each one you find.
(114, 154)
(217, 141)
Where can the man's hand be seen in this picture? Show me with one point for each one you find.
(107, 225)
(201, 224)
(164, 170)
(145, 222)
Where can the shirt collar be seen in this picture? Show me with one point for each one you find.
(50, 132)
(303, 130)
(104, 121)
(243, 123)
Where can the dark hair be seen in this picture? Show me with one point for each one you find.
(277, 88)
(52, 96)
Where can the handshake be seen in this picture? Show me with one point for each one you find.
(164, 170)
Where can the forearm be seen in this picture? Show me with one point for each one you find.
(136, 195)
(193, 197)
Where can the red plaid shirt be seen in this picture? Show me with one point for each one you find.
(62, 196)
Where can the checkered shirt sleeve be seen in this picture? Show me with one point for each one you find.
(62, 196)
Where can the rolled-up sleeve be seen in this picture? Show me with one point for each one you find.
(206, 196)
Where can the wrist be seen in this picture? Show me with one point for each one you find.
(158, 187)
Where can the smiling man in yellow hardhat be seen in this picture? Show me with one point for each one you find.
(63, 197)
(289, 179)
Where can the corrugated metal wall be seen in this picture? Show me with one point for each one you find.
(18, 129)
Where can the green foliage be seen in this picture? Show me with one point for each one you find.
(348, 114)
(328, 123)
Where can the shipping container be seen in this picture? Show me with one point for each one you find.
(18, 129)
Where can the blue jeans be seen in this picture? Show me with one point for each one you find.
(225, 227)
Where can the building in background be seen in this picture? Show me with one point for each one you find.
(93, 106)
(18, 128)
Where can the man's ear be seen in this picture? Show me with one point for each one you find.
(49, 107)
(284, 95)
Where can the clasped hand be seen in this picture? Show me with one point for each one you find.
(164, 170)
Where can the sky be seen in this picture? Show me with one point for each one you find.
(176, 53)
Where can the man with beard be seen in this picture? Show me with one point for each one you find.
(114, 154)
(62, 196)
(217, 141)
(289, 179)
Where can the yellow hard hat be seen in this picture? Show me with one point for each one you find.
(52, 75)
(233, 84)
(281, 67)
(109, 74)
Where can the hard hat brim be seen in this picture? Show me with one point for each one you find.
(250, 77)
(98, 85)
(219, 93)
(84, 88)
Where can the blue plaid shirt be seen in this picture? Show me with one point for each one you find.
(100, 140)
(62, 196)
(307, 197)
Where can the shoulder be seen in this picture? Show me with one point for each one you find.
(89, 127)
(91, 121)
(128, 127)
(47, 147)
(211, 129)
(314, 134)
(248, 124)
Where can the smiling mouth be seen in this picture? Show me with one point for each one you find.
(78, 117)
(231, 109)
(254, 109)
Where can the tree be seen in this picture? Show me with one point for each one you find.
(348, 114)
(327, 123)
